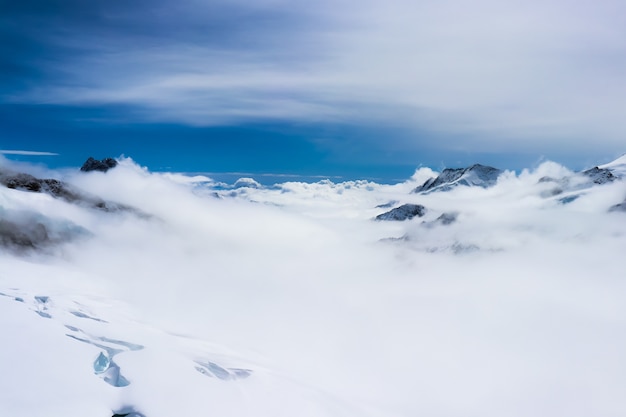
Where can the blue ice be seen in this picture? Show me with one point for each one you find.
(101, 364)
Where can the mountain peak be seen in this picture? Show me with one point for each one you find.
(104, 165)
(617, 167)
(475, 175)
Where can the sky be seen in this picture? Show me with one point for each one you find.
(350, 89)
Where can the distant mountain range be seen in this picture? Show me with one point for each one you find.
(484, 176)
(26, 232)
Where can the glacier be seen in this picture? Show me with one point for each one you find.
(145, 295)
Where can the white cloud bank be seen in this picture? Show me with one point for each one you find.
(294, 283)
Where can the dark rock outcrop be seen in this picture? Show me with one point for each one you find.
(404, 212)
(476, 175)
(600, 175)
(26, 182)
(104, 165)
(59, 189)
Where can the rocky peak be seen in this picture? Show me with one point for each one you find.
(600, 175)
(26, 182)
(475, 175)
(104, 165)
(404, 212)
(58, 189)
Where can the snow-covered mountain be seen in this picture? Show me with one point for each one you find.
(404, 212)
(476, 175)
(600, 175)
(127, 292)
(617, 167)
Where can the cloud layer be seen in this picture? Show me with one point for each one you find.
(506, 75)
(515, 308)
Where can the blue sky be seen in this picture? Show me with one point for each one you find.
(340, 88)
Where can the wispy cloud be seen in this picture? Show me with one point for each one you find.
(514, 74)
(26, 153)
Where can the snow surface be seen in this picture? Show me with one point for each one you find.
(291, 301)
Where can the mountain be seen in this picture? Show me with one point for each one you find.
(58, 189)
(617, 167)
(104, 165)
(476, 175)
(572, 186)
(600, 175)
(26, 230)
(404, 212)
(26, 182)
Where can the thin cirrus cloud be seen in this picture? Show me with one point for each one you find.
(495, 71)
(26, 153)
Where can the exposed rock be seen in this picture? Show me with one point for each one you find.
(404, 212)
(26, 182)
(476, 175)
(104, 165)
(617, 167)
(600, 175)
(59, 189)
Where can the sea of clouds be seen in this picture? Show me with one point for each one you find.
(514, 309)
